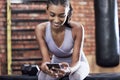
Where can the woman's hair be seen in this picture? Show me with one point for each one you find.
(65, 3)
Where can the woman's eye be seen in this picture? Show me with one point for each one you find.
(62, 16)
(52, 15)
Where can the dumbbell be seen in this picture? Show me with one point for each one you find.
(31, 70)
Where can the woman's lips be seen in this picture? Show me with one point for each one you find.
(56, 25)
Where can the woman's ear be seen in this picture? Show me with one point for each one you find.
(47, 11)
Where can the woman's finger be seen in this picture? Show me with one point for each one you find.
(60, 72)
(64, 64)
(53, 74)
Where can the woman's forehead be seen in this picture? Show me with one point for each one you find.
(56, 8)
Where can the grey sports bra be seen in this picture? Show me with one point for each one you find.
(66, 49)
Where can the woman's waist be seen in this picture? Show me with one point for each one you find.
(56, 59)
(63, 56)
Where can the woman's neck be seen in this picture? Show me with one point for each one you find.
(61, 29)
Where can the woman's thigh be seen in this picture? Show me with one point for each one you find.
(44, 76)
(81, 73)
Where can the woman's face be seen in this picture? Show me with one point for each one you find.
(57, 15)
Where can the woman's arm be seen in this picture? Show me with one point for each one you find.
(40, 34)
(78, 35)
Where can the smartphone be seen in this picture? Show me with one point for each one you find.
(55, 65)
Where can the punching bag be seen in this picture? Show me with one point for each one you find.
(106, 33)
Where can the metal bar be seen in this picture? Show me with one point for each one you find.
(17, 11)
(22, 30)
(31, 39)
(9, 49)
(27, 1)
(25, 49)
(29, 20)
(27, 59)
(16, 70)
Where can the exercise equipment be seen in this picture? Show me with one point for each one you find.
(18, 77)
(17, 24)
(94, 76)
(9, 47)
(31, 70)
(103, 76)
(106, 33)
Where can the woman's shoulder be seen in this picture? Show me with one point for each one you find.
(76, 26)
(40, 28)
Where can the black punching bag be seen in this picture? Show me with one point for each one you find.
(106, 33)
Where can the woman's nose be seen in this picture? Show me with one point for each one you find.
(56, 19)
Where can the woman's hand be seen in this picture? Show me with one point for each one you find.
(59, 72)
(64, 65)
(48, 71)
(65, 70)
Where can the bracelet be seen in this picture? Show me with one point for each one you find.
(68, 71)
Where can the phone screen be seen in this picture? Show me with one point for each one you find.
(55, 65)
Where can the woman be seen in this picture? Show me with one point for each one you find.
(63, 39)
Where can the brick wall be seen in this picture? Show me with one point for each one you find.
(83, 13)
(24, 43)
(2, 36)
